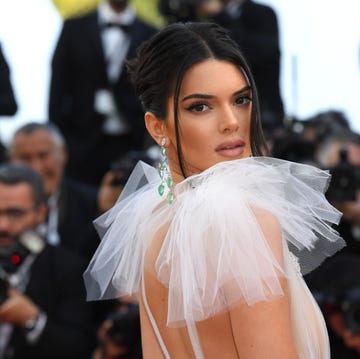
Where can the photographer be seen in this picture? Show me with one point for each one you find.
(115, 179)
(340, 153)
(43, 313)
(72, 205)
(337, 281)
(119, 335)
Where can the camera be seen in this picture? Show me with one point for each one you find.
(346, 303)
(350, 307)
(345, 180)
(336, 287)
(14, 256)
(124, 166)
(124, 331)
(10, 261)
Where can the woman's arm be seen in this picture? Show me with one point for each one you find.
(264, 329)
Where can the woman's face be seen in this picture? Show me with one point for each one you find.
(214, 112)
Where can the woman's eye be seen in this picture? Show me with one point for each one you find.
(199, 107)
(243, 100)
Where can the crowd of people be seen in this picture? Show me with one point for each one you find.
(57, 176)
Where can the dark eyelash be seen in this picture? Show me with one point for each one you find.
(245, 97)
(194, 105)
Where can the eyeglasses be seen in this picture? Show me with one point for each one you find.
(15, 214)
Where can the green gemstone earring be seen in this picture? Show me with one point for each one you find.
(167, 182)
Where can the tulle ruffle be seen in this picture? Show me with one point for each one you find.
(215, 253)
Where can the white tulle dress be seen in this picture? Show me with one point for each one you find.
(214, 238)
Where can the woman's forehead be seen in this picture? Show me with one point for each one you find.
(213, 75)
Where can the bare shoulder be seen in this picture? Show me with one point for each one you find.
(266, 219)
(257, 329)
(271, 229)
(154, 248)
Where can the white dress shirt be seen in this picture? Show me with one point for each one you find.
(116, 44)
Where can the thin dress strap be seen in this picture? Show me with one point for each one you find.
(194, 338)
(191, 330)
(153, 323)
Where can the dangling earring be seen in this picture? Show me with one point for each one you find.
(165, 175)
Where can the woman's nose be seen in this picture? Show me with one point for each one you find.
(229, 121)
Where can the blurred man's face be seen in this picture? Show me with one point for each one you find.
(39, 151)
(118, 5)
(17, 211)
(353, 154)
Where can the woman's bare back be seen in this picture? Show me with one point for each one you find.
(215, 333)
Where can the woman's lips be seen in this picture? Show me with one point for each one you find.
(231, 149)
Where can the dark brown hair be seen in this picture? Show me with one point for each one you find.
(158, 70)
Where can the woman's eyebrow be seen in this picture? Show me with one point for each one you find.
(244, 89)
(206, 96)
(197, 95)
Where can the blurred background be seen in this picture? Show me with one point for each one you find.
(319, 40)
(319, 84)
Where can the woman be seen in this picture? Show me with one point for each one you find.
(206, 245)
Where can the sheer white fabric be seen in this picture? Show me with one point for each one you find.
(214, 239)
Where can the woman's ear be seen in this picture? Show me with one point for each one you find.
(155, 126)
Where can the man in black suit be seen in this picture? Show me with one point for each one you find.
(255, 28)
(43, 313)
(91, 99)
(72, 205)
(8, 105)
